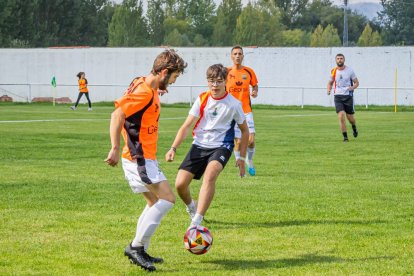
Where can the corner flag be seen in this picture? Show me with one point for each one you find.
(53, 82)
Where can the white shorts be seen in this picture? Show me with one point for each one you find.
(140, 176)
(250, 124)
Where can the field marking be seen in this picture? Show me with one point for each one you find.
(172, 118)
(73, 120)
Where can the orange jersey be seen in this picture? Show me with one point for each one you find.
(141, 106)
(83, 85)
(238, 84)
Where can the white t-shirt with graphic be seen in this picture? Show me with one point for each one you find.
(217, 118)
(342, 80)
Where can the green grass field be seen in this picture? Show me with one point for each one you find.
(316, 206)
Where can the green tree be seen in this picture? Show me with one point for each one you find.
(369, 38)
(330, 37)
(397, 19)
(316, 37)
(174, 38)
(201, 17)
(155, 17)
(291, 11)
(296, 37)
(259, 24)
(128, 27)
(227, 14)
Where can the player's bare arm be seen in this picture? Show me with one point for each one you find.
(117, 119)
(180, 137)
(354, 86)
(255, 91)
(329, 88)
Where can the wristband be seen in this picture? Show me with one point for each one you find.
(174, 149)
(242, 158)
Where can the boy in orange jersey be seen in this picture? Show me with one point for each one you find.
(239, 80)
(83, 90)
(136, 116)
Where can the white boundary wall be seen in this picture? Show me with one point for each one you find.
(287, 76)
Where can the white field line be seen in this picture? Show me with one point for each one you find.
(72, 120)
(172, 118)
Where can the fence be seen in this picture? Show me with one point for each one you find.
(271, 95)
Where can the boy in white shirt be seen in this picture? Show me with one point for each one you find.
(213, 115)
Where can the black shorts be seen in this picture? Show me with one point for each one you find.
(198, 158)
(344, 103)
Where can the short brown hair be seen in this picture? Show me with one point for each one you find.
(80, 74)
(236, 47)
(169, 59)
(217, 71)
(340, 55)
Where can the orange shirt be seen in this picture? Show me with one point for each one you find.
(83, 85)
(141, 106)
(238, 84)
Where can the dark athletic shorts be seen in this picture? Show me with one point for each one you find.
(198, 158)
(344, 103)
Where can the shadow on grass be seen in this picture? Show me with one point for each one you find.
(289, 262)
(228, 224)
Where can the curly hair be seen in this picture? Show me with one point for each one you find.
(169, 59)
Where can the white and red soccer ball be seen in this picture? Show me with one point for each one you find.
(198, 239)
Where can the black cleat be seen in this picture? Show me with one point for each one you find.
(138, 256)
(355, 133)
(154, 260)
(346, 140)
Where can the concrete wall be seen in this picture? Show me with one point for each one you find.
(287, 76)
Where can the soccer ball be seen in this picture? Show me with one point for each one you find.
(198, 239)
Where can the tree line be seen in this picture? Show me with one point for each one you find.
(277, 23)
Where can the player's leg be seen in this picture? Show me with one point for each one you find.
(340, 111)
(251, 147)
(207, 190)
(89, 102)
(73, 107)
(160, 199)
(350, 111)
(216, 162)
(182, 185)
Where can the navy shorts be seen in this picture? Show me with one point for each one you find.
(344, 103)
(198, 158)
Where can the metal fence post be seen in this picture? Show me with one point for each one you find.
(303, 96)
(29, 95)
(366, 103)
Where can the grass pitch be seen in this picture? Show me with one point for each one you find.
(316, 206)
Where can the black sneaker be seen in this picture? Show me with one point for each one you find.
(154, 260)
(346, 140)
(138, 256)
(355, 133)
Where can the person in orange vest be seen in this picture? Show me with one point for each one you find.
(83, 90)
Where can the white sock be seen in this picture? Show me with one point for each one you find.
(192, 206)
(250, 154)
(197, 219)
(237, 154)
(150, 222)
(140, 219)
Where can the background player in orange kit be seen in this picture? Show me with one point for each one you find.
(239, 80)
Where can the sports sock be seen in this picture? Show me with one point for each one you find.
(354, 128)
(150, 222)
(192, 206)
(141, 217)
(197, 219)
(237, 154)
(250, 154)
(345, 134)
